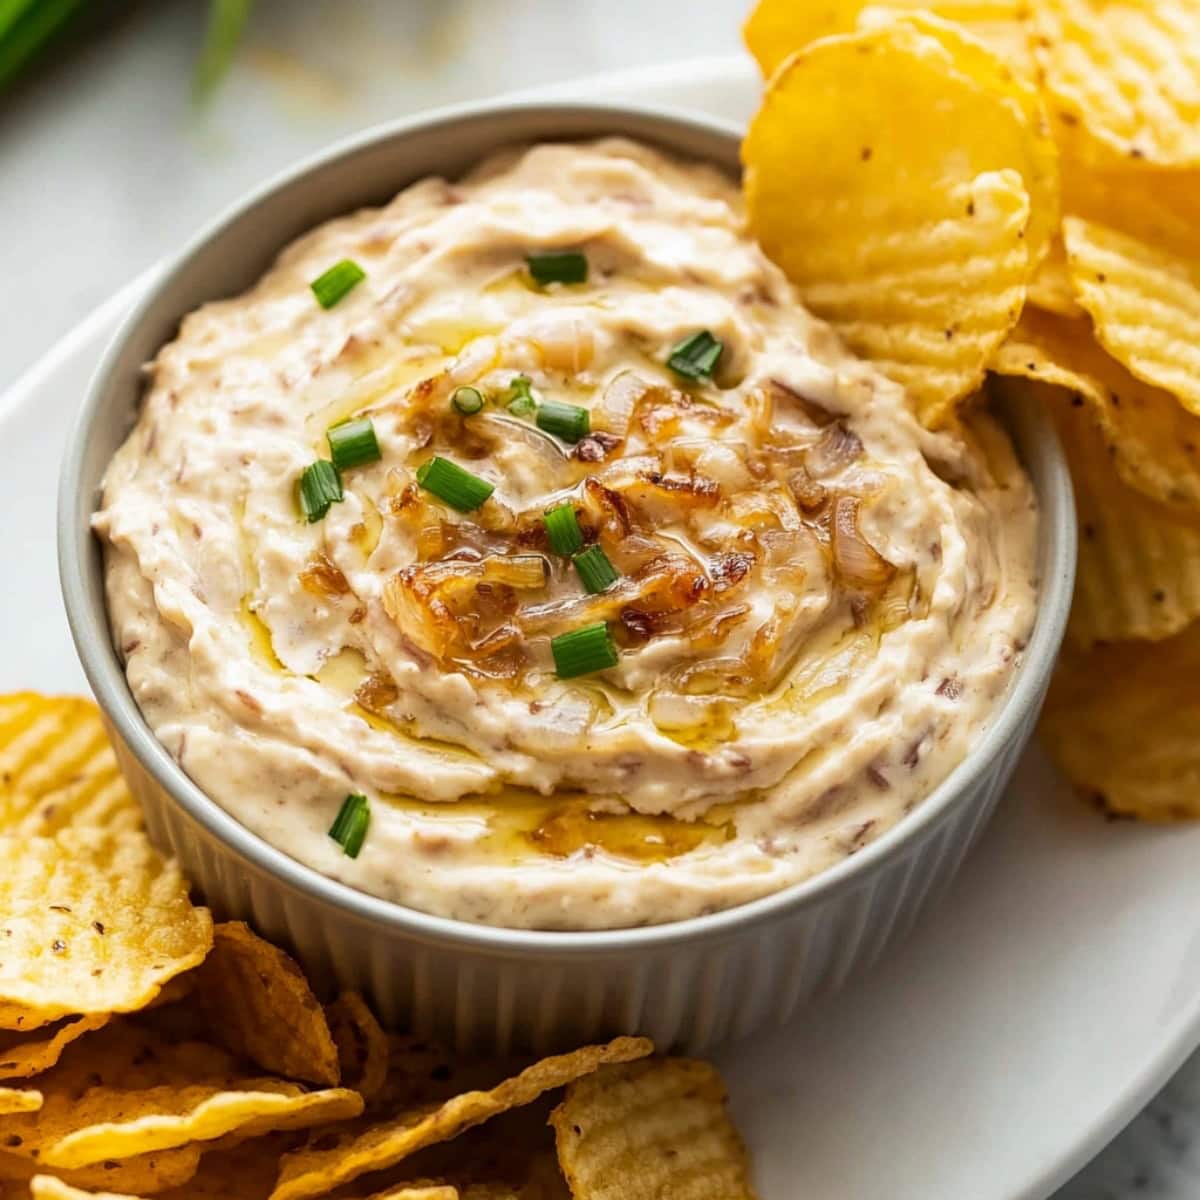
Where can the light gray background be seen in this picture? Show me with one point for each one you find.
(106, 164)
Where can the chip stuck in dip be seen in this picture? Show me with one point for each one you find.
(523, 552)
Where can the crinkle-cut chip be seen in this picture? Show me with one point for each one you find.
(362, 1046)
(314, 1171)
(1145, 305)
(25, 1054)
(1139, 560)
(650, 1129)
(261, 1007)
(908, 232)
(776, 29)
(1121, 722)
(57, 768)
(1050, 288)
(146, 1175)
(94, 923)
(1122, 77)
(19, 1100)
(1153, 440)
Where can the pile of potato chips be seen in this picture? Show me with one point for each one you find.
(144, 1052)
(1010, 189)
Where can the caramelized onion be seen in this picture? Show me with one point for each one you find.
(523, 571)
(616, 406)
(837, 447)
(858, 564)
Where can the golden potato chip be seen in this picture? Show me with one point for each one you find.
(1153, 440)
(777, 28)
(1051, 288)
(261, 1007)
(899, 227)
(431, 1191)
(1139, 560)
(25, 1054)
(314, 1171)
(1121, 722)
(58, 769)
(362, 1046)
(145, 1175)
(650, 1129)
(17, 1100)
(50, 1187)
(1145, 305)
(1123, 77)
(94, 923)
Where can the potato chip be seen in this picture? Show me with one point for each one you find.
(432, 1191)
(261, 1007)
(313, 1171)
(58, 769)
(25, 1054)
(1139, 560)
(1153, 440)
(93, 924)
(778, 28)
(1145, 304)
(145, 1175)
(50, 1187)
(1051, 288)
(1123, 77)
(1121, 722)
(650, 1129)
(897, 227)
(17, 1100)
(362, 1046)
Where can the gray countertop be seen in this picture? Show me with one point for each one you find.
(105, 165)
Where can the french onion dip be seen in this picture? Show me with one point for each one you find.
(642, 598)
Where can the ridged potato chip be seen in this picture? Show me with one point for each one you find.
(1153, 440)
(778, 28)
(1145, 304)
(899, 228)
(25, 1054)
(94, 923)
(1123, 77)
(260, 1006)
(145, 1175)
(1121, 722)
(1051, 288)
(313, 1171)
(19, 1100)
(362, 1046)
(650, 1129)
(1139, 560)
(57, 768)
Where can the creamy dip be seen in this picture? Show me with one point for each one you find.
(819, 603)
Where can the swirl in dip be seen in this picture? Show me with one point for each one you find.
(818, 604)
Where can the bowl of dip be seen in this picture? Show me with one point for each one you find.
(499, 587)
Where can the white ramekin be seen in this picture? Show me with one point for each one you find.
(687, 984)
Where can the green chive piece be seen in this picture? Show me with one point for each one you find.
(583, 651)
(353, 443)
(320, 486)
(336, 282)
(562, 528)
(558, 266)
(567, 421)
(451, 483)
(467, 400)
(595, 570)
(521, 402)
(349, 828)
(696, 357)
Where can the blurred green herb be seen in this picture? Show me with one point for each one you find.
(25, 27)
(226, 20)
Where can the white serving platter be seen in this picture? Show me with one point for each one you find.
(989, 1057)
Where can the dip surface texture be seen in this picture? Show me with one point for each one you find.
(819, 604)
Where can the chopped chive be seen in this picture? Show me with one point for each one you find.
(558, 266)
(696, 357)
(595, 570)
(567, 421)
(521, 402)
(451, 483)
(583, 651)
(349, 828)
(320, 486)
(353, 443)
(562, 528)
(333, 285)
(467, 400)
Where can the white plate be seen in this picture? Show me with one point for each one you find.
(1024, 1023)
